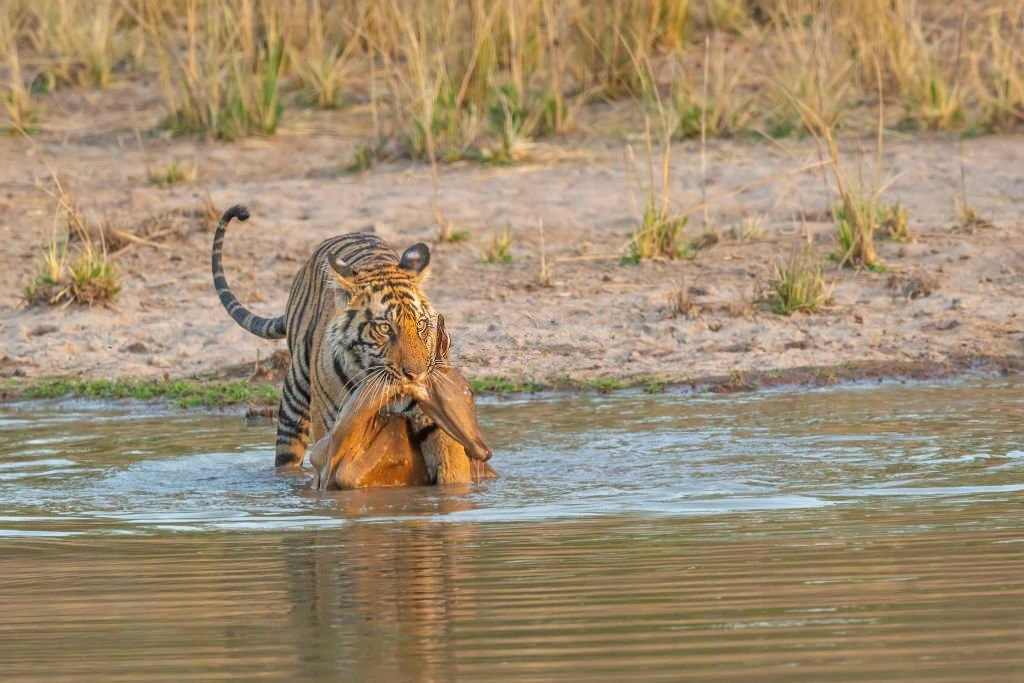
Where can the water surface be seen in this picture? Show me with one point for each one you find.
(861, 533)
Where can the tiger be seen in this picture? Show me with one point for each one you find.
(356, 314)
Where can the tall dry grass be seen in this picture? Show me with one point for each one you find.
(484, 78)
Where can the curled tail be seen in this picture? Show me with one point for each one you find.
(268, 328)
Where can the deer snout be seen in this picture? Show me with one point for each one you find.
(479, 451)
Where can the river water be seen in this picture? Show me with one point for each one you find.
(849, 534)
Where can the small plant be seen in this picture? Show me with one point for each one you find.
(750, 229)
(364, 157)
(174, 173)
(88, 278)
(681, 305)
(449, 234)
(75, 267)
(660, 235)
(968, 219)
(895, 221)
(52, 269)
(857, 218)
(499, 249)
(799, 285)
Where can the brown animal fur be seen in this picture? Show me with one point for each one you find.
(368, 447)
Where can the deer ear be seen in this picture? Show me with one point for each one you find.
(444, 342)
(416, 259)
(343, 274)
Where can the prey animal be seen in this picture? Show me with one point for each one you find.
(369, 447)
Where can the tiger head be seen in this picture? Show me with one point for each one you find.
(385, 324)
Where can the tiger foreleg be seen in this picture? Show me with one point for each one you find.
(292, 421)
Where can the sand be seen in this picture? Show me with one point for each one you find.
(599, 319)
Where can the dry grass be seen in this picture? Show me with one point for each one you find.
(722, 102)
(220, 72)
(545, 276)
(482, 80)
(750, 229)
(174, 172)
(75, 266)
(681, 304)
(17, 100)
(968, 219)
(895, 222)
(322, 61)
(660, 232)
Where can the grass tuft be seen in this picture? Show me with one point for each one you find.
(659, 235)
(968, 219)
(499, 250)
(895, 221)
(798, 285)
(75, 267)
(173, 173)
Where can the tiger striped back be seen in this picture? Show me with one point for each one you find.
(356, 315)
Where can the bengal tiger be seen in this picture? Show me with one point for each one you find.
(355, 315)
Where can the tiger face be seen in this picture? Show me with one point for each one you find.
(384, 326)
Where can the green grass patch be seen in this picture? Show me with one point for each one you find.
(188, 393)
(183, 393)
(501, 385)
(799, 285)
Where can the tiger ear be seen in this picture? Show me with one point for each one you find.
(416, 259)
(343, 274)
(444, 343)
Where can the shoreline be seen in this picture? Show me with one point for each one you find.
(260, 395)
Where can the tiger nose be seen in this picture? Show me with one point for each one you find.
(411, 374)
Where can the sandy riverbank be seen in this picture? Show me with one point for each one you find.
(599, 320)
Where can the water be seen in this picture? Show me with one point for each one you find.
(863, 533)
